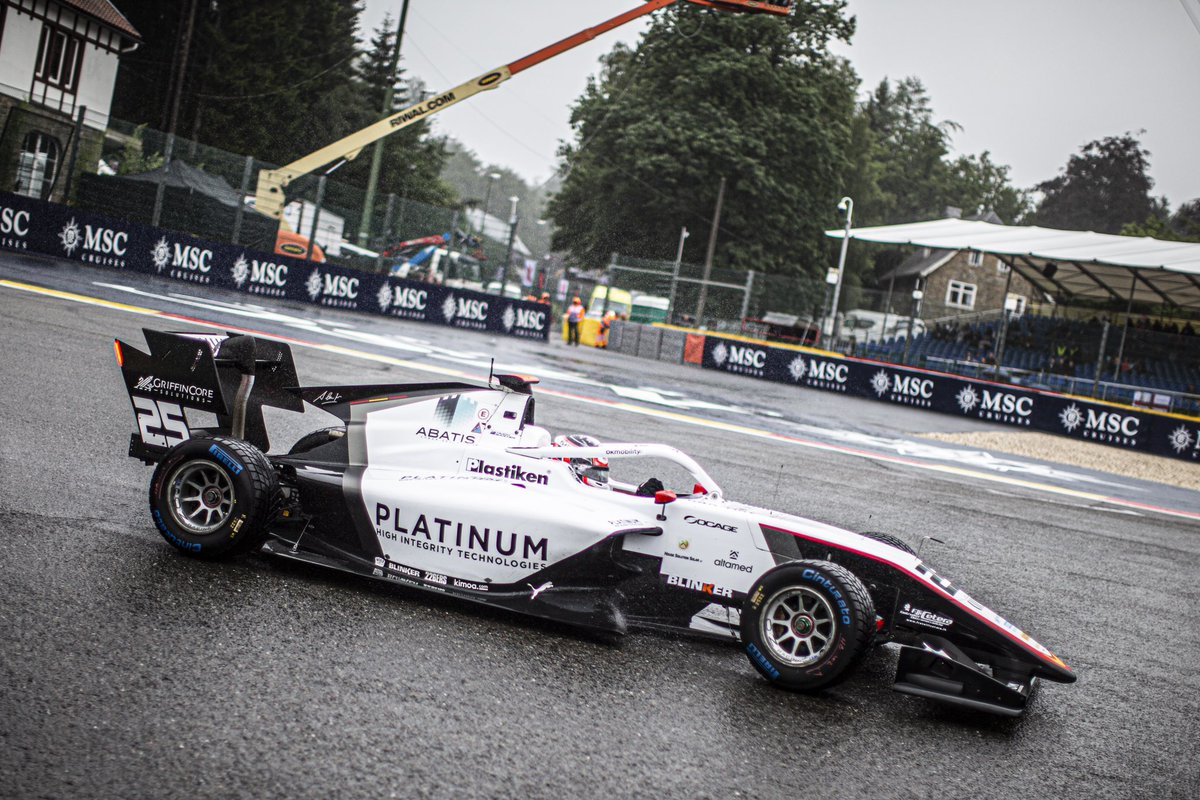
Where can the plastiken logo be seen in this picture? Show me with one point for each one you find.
(510, 472)
(153, 384)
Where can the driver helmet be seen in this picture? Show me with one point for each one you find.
(592, 471)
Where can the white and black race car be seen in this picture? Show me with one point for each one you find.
(452, 488)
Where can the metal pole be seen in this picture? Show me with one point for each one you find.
(312, 231)
(247, 172)
(918, 294)
(1100, 358)
(75, 134)
(162, 180)
(683, 235)
(389, 92)
(184, 48)
(708, 255)
(608, 277)
(999, 354)
(512, 235)
(847, 205)
(746, 294)
(887, 306)
(1125, 330)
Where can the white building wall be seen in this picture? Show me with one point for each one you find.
(98, 70)
(18, 53)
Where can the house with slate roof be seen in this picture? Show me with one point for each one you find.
(956, 282)
(58, 66)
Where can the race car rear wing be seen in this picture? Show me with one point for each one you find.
(228, 375)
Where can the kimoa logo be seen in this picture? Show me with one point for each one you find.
(507, 471)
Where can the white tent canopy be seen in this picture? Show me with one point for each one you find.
(1065, 264)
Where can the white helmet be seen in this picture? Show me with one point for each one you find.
(592, 471)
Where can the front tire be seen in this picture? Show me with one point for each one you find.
(894, 541)
(807, 624)
(212, 496)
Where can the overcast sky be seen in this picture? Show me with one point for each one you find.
(1029, 80)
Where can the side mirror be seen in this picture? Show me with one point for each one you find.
(662, 497)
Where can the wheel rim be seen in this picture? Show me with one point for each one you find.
(798, 626)
(200, 496)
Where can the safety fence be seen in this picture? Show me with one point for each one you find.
(1104, 423)
(36, 226)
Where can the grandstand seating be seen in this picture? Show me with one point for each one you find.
(1059, 354)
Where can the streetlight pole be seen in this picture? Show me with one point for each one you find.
(847, 205)
(364, 227)
(512, 235)
(683, 235)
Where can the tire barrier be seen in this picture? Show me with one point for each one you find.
(35, 226)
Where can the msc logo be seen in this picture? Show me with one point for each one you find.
(188, 257)
(912, 386)
(402, 298)
(14, 222)
(747, 357)
(1005, 403)
(828, 371)
(464, 309)
(531, 320)
(1111, 422)
(268, 273)
(1107, 426)
(105, 240)
(342, 286)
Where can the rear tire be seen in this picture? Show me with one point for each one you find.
(315, 439)
(806, 625)
(212, 496)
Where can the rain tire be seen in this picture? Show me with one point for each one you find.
(310, 441)
(807, 625)
(213, 496)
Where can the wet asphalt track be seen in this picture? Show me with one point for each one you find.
(128, 671)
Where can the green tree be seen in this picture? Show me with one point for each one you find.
(413, 159)
(756, 99)
(1182, 226)
(1103, 188)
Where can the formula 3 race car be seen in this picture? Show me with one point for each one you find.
(452, 488)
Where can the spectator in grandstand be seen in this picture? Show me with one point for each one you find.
(545, 298)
